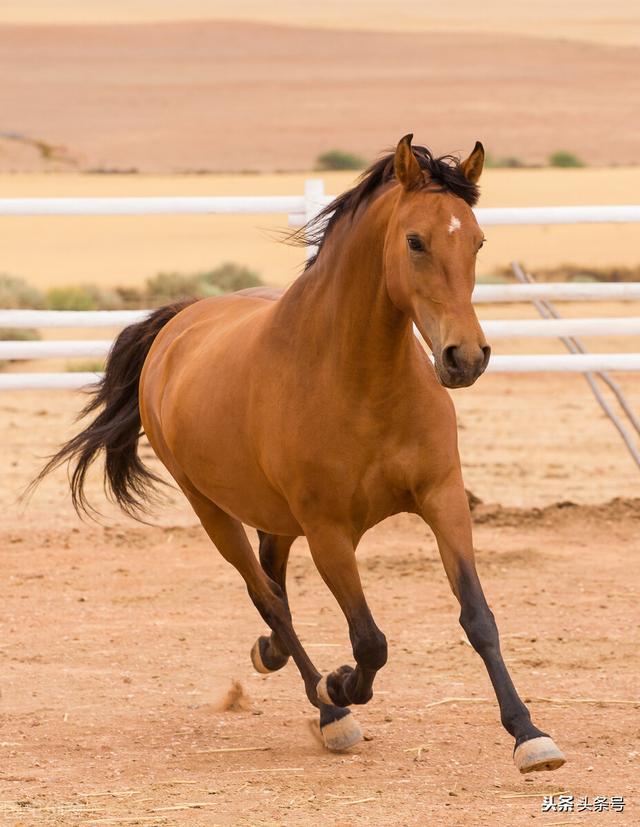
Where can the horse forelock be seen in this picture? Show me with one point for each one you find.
(442, 174)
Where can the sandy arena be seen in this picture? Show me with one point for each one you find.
(119, 643)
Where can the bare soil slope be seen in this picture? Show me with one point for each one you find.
(244, 96)
(588, 20)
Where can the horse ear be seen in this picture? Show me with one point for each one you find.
(407, 168)
(472, 167)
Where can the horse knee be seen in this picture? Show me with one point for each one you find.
(480, 627)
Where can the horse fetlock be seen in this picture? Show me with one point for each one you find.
(330, 688)
(264, 658)
(344, 687)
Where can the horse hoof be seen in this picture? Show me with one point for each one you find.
(341, 734)
(538, 754)
(262, 661)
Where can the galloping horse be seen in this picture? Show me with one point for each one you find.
(316, 412)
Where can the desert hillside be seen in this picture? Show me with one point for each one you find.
(618, 22)
(237, 96)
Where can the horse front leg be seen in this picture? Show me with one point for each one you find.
(334, 556)
(446, 510)
(339, 728)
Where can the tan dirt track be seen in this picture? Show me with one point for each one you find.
(237, 96)
(117, 643)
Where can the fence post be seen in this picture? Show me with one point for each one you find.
(313, 195)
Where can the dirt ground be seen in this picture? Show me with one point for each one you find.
(119, 641)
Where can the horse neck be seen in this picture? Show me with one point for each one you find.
(340, 306)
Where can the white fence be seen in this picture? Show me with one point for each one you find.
(300, 209)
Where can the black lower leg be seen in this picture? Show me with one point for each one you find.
(479, 624)
(338, 728)
(274, 555)
(273, 607)
(355, 686)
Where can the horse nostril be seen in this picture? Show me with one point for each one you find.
(486, 350)
(450, 358)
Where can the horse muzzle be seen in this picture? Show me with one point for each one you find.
(459, 367)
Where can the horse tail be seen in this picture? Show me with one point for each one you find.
(116, 429)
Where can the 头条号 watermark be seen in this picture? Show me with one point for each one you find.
(582, 804)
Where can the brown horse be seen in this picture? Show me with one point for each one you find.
(317, 412)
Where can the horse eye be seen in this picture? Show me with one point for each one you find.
(415, 243)
(482, 244)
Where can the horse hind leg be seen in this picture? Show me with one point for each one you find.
(269, 653)
(338, 729)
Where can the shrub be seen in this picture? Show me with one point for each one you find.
(130, 297)
(17, 293)
(508, 162)
(229, 277)
(82, 297)
(160, 289)
(167, 287)
(336, 159)
(70, 298)
(19, 334)
(562, 158)
(88, 366)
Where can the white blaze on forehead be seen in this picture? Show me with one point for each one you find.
(454, 224)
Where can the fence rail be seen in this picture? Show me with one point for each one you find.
(297, 207)
(563, 363)
(483, 294)
(493, 328)
(301, 208)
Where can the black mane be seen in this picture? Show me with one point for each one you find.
(443, 175)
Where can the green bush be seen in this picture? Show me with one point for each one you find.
(130, 297)
(160, 289)
(507, 162)
(70, 298)
(336, 159)
(19, 334)
(562, 158)
(167, 287)
(82, 297)
(17, 293)
(230, 277)
(511, 162)
(88, 366)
